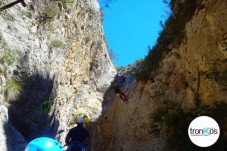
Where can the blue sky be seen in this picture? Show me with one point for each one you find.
(130, 26)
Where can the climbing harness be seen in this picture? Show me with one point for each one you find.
(12, 4)
(122, 96)
(118, 94)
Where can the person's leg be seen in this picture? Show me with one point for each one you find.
(123, 96)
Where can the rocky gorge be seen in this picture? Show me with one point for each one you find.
(54, 66)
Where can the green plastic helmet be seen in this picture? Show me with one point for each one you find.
(44, 144)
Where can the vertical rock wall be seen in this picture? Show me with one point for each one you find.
(58, 56)
(193, 71)
(85, 76)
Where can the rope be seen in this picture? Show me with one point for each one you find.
(113, 128)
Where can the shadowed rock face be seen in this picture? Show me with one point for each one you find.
(10, 138)
(57, 55)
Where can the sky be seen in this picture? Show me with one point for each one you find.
(130, 26)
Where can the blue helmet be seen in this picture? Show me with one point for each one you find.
(44, 144)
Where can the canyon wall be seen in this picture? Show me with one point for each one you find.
(54, 66)
(191, 73)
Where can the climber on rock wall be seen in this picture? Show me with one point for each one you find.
(120, 79)
(118, 92)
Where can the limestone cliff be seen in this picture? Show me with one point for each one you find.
(192, 72)
(54, 65)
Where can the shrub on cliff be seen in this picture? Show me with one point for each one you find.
(57, 43)
(173, 32)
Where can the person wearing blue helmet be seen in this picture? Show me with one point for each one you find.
(44, 144)
(78, 137)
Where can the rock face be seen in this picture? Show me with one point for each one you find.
(10, 138)
(54, 66)
(85, 76)
(194, 70)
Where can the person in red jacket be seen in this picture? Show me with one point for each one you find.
(118, 92)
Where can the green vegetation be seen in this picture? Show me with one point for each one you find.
(88, 39)
(171, 122)
(50, 11)
(27, 14)
(57, 43)
(173, 32)
(87, 120)
(53, 9)
(44, 108)
(8, 57)
(12, 89)
(65, 2)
